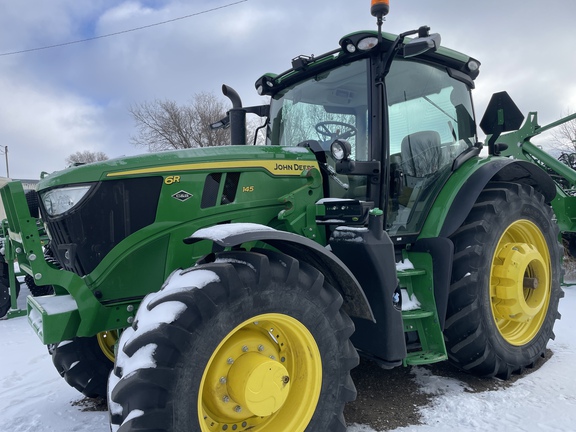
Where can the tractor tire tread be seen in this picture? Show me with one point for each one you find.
(471, 339)
(241, 277)
(83, 365)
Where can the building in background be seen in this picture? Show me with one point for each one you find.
(28, 184)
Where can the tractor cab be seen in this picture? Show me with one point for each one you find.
(389, 119)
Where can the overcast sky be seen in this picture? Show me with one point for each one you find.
(76, 97)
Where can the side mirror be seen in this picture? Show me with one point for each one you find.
(421, 45)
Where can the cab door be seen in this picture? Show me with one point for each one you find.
(430, 123)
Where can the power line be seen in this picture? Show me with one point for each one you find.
(121, 32)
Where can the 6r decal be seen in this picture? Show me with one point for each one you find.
(172, 179)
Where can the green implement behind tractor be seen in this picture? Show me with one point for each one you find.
(234, 288)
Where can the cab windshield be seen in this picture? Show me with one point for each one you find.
(330, 105)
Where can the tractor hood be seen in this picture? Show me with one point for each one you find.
(275, 160)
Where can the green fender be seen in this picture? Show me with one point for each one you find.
(460, 192)
(337, 274)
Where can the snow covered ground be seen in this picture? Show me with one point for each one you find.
(33, 397)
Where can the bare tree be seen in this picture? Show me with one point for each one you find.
(565, 136)
(86, 156)
(165, 125)
(255, 130)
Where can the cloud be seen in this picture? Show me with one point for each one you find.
(42, 126)
(57, 101)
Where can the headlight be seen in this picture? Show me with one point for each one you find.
(367, 43)
(341, 150)
(58, 201)
(473, 65)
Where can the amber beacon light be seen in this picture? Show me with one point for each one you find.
(380, 8)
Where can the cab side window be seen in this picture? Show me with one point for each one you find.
(431, 122)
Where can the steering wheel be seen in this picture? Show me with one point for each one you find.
(322, 129)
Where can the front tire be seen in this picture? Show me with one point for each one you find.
(251, 341)
(505, 284)
(86, 362)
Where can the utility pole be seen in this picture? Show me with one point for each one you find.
(6, 154)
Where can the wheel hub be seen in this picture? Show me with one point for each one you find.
(259, 383)
(107, 342)
(265, 376)
(520, 282)
(521, 272)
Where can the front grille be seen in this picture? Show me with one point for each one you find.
(112, 211)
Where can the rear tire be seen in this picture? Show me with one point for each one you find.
(505, 283)
(252, 341)
(84, 364)
(5, 298)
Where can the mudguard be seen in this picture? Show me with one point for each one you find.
(504, 170)
(337, 274)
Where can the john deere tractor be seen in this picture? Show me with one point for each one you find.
(234, 288)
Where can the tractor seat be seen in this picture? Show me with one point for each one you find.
(422, 154)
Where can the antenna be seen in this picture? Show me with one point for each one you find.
(380, 9)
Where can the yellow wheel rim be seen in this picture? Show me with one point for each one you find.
(265, 376)
(520, 282)
(107, 341)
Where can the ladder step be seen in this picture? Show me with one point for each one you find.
(416, 314)
(424, 357)
(410, 272)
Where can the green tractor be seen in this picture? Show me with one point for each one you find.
(234, 288)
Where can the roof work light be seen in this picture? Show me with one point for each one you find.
(380, 8)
